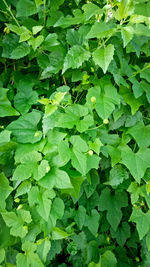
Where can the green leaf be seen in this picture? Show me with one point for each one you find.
(78, 143)
(122, 233)
(55, 4)
(117, 175)
(56, 178)
(43, 168)
(137, 163)
(30, 258)
(22, 31)
(115, 154)
(58, 207)
(142, 221)
(64, 151)
(75, 57)
(36, 42)
(127, 35)
(80, 217)
(91, 9)
(108, 259)
(57, 234)
(26, 8)
(2, 254)
(20, 51)
(113, 205)
(96, 145)
(36, 29)
(100, 30)
(24, 100)
(5, 106)
(50, 42)
(105, 100)
(5, 136)
(103, 56)
(23, 188)
(17, 222)
(5, 190)
(130, 99)
(92, 221)
(43, 249)
(42, 199)
(141, 134)
(25, 128)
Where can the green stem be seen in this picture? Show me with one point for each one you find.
(9, 9)
(95, 127)
(139, 71)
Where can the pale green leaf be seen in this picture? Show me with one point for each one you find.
(57, 234)
(36, 42)
(103, 56)
(17, 221)
(43, 249)
(127, 35)
(36, 29)
(100, 30)
(5, 136)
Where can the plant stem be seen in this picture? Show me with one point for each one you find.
(9, 9)
(95, 127)
(139, 71)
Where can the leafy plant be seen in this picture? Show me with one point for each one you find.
(74, 133)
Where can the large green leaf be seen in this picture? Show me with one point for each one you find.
(25, 128)
(100, 30)
(91, 9)
(20, 51)
(142, 221)
(24, 100)
(5, 106)
(141, 134)
(42, 201)
(103, 56)
(26, 8)
(122, 233)
(75, 57)
(56, 178)
(137, 163)
(17, 222)
(92, 221)
(105, 101)
(29, 258)
(113, 205)
(108, 259)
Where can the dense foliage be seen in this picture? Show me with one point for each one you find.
(74, 133)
